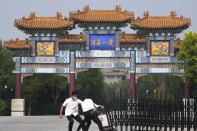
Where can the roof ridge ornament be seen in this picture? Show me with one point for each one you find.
(123, 34)
(146, 14)
(32, 15)
(59, 15)
(132, 16)
(26, 41)
(81, 35)
(65, 18)
(118, 8)
(189, 21)
(17, 39)
(23, 18)
(173, 14)
(86, 8)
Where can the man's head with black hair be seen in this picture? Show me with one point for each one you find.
(88, 95)
(74, 93)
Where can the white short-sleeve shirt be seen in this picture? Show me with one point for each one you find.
(71, 106)
(88, 104)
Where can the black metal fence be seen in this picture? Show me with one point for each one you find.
(149, 114)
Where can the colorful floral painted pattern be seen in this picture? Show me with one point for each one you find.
(45, 48)
(160, 48)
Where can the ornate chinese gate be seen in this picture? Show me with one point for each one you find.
(50, 49)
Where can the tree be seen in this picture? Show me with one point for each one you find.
(44, 93)
(164, 85)
(188, 54)
(6, 66)
(91, 83)
(161, 83)
(6, 80)
(3, 107)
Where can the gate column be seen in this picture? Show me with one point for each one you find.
(18, 86)
(72, 84)
(132, 91)
(18, 104)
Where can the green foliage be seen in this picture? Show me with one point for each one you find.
(44, 93)
(6, 67)
(91, 83)
(2, 107)
(188, 53)
(120, 88)
(161, 83)
(6, 79)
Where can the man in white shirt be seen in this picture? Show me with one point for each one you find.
(89, 110)
(71, 111)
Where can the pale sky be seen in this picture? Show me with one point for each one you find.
(15, 9)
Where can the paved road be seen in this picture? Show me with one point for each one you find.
(37, 123)
(42, 123)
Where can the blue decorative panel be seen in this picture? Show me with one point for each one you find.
(160, 59)
(97, 53)
(44, 70)
(102, 65)
(158, 68)
(102, 42)
(45, 60)
(142, 58)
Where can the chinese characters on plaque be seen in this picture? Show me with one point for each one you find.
(102, 42)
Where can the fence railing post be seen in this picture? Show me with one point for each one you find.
(149, 114)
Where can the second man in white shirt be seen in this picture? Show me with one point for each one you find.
(89, 110)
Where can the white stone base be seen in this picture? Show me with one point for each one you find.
(18, 107)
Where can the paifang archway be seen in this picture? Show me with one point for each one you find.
(102, 44)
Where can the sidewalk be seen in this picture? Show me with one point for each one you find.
(37, 123)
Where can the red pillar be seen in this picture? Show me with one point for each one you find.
(132, 91)
(72, 84)
(18, 86)
(186, 89)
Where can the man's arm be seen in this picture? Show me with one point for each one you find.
(80, 101)
(97, 106)
(61, 110)
(62, 107)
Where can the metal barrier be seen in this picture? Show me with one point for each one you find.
(147, 114)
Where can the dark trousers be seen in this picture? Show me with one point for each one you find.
(92, 115)
(78, 119)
